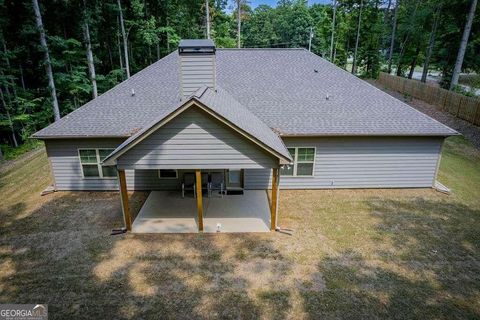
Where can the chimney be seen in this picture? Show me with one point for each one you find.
(197, 65)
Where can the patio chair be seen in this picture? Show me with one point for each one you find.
(205, 181)
(216, 183)
(188, 184)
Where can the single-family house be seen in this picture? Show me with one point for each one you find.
(209, 130)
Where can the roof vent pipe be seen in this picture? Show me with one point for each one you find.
(197, 65)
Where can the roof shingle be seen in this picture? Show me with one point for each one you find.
(224, 105)
(293, 91)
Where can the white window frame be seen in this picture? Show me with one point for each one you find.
(296, 162)
(168, 178)
(99, 165)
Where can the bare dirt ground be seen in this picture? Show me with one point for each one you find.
(470, 131)
(357, 254)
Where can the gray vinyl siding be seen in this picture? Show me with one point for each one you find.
(63, 156)
(196, 71)
(349, 162)
(194, 140)
(362, 162)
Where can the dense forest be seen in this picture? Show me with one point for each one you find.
(56, 55)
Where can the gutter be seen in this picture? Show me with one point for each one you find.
(370, 135)
(300, 135)
(77, 137)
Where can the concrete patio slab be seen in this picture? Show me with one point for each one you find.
(249, 212)
(167, 212)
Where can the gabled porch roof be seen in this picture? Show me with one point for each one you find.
(222, 106)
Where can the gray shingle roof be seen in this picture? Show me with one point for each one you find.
(285, 88)
(224, 105)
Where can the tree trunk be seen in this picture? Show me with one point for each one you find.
(431, 43)
(386, 18)
(110, 58)
(333, 30)
(120, 50)
(310, 36)
(354, 65)
(207, 12)
(48, 65)
(130, 52)
(402, 52)
(158, 50)
(22, 81)
(1, 154)
(149, 55)
(91, 65)
(239, 22)
(335, 51)
(463, 45)
(10, 122)
(168, 38)
(347, 49)
(392, 40)
(124, 36)
(11, 81)
(414, 63)
(399, 69)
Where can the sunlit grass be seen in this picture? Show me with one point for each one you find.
(408, 253)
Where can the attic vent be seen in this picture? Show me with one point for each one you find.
(197, 65)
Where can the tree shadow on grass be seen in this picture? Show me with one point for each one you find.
(62, 254)
(426, 266)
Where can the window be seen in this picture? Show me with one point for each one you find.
(168, 174)
(303, 162)
(91, 159)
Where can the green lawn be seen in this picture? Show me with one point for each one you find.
(411, 253)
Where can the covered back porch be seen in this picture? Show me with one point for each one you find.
(203, 139)
(168, 212)
(171, 212)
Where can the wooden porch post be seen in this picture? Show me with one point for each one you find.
(124, 197)
(198, 179)
(273, 207)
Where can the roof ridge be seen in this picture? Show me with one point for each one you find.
(199, 93)
(277, 148)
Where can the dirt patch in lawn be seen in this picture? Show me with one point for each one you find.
(358, 254)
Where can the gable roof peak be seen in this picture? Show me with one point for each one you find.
(221, 105)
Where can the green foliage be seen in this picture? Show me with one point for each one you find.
(465, 91)
(154, 29)
(10, 153)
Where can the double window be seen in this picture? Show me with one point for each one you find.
(303, 162)
(91, 159)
